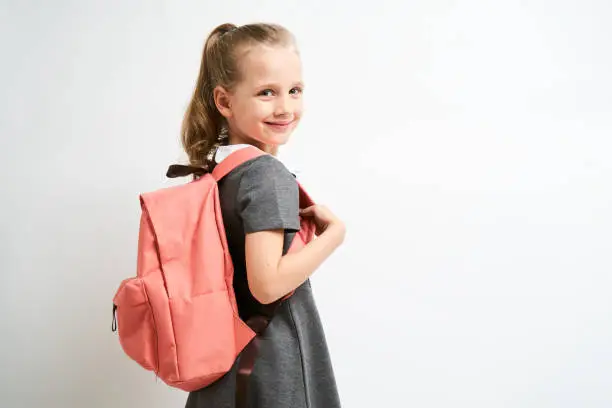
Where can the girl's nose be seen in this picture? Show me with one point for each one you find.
(282, 106)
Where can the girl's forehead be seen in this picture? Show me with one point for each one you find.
(271, 64)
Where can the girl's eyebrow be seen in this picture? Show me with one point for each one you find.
(266, 85)
(274, 85)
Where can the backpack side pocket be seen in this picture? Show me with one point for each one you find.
(135, 323)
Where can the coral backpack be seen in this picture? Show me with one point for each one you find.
(178, 316)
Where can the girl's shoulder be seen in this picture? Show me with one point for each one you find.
(267, 173)
(267, 165)
(267, 196)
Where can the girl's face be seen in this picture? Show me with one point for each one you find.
(266, 105)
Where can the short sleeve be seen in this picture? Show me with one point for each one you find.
(268, 197)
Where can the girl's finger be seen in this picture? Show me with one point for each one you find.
(306, 211)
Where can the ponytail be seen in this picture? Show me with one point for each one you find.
(203, 126)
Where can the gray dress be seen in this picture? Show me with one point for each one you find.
(293, 368)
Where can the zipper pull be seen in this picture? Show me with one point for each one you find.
(114, 324)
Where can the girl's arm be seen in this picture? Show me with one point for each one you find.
(271, 275)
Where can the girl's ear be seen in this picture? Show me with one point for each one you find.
(222, 101)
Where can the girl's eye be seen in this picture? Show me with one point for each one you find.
(294, 91)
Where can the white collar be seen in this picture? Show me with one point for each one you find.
(224, 151)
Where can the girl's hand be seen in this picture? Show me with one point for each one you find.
(323, 218)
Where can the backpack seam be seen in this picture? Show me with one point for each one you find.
(167, 290)
(157, 364)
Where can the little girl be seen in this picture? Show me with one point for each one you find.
(249, 92)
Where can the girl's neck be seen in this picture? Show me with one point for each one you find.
(270, 149)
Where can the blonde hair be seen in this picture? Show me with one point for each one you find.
(203, 125)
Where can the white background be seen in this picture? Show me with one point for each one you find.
(466, 144)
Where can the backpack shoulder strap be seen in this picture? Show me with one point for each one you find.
(183, 170)
(234, 160)
(219, 171)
